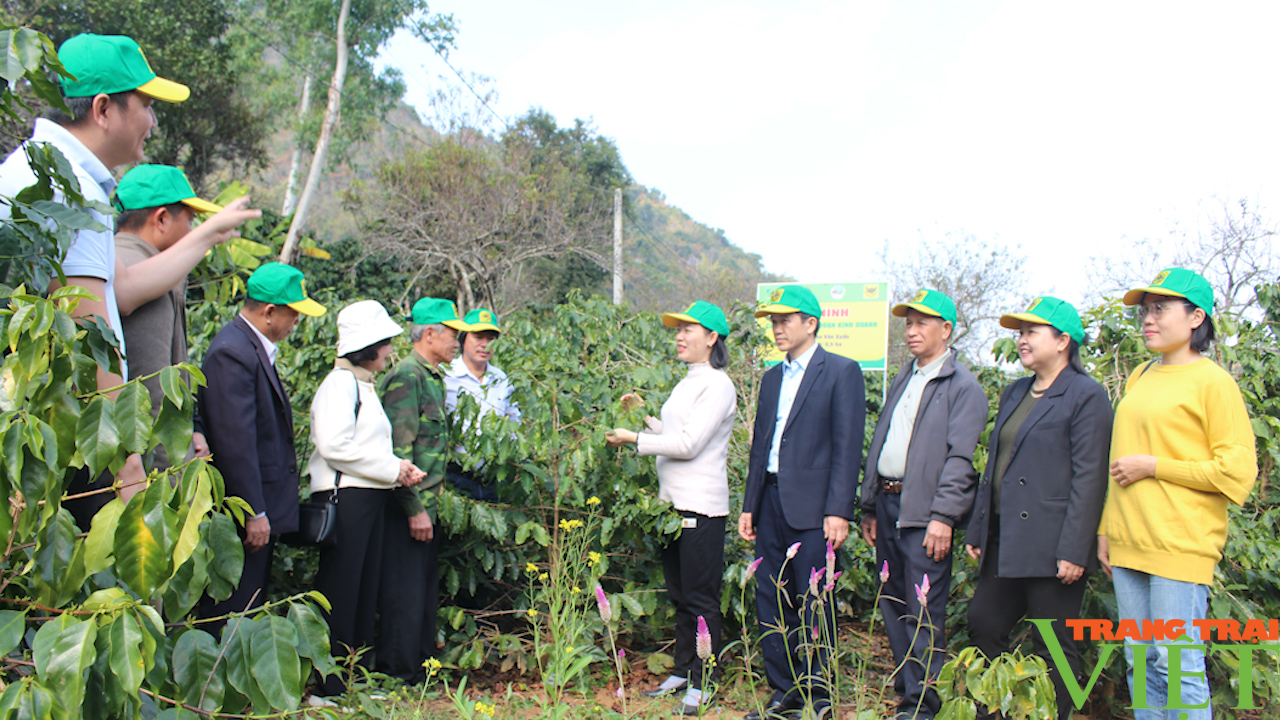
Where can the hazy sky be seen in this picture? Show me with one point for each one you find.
(813, 132)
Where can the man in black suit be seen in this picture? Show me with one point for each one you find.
(248, 421)
(801, 492)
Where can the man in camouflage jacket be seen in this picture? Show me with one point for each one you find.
(413, 395)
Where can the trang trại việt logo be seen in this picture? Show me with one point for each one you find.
(1171, 634)
(920, 296)
(1164, 275)
(776, 295)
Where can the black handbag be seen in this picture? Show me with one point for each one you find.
(318, 519)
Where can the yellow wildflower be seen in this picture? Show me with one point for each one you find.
(485, 709)
(431, 665)
(569, 650)
(593, 500)
(531, 613)
(543, 577)
(530, 568)
(575, 589)
(593, 557)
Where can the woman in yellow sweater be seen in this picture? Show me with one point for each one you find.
(1182, 447)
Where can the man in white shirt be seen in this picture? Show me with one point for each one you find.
(919, 483)
(108, 125)
(801, 492)
(472, 374)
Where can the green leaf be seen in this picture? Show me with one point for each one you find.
(275, 663)
(142, 543)
(660, 663)
(228, 556)
(313, 636)
(63, 657)
(100, 543)
(12, 625)
(128, 667)
(187, 585)
(189, 536)
(172, 428)
(174, 387)
(201, 681)
(133, 417)
(237, 643)
(96, 435)
(55, 549)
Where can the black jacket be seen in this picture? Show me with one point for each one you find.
(821, 449)
(1052, 493)
(940, 480)
(248, 423)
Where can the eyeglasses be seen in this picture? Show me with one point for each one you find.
(1157, 310)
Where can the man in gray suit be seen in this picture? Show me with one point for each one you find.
(918, 485)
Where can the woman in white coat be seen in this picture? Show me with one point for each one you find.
(691, 442)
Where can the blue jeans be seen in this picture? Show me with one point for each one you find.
(1141, 596)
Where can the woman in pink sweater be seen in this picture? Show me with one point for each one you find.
(691, 442)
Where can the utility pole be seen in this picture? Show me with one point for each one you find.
(617, 246)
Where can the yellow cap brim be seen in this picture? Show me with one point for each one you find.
(166, 90)
(901, 310)
(674, 319)
(308, 307)
(775, 309)
(459, 325)
(201, 206)
(1134, 297)
(1014, 321)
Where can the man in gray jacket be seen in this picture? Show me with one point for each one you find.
(919, 484)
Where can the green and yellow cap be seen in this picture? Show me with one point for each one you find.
(281, 284)
(702, 313)
(1177, 282)
(481, 319)
(149, 186)
(790, 299)
(1047, 310)
(929, 302)
(430, 311)
(111, 64)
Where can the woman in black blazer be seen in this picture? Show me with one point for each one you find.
(1035, 521)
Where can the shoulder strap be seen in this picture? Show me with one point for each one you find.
(1145, 367)
(337, 480)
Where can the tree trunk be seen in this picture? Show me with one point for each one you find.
(331, 114)
(291, 188)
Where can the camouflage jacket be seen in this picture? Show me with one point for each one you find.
(413, 397)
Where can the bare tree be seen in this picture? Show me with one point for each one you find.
(1234, 248)
(478, 214)
(982, 278)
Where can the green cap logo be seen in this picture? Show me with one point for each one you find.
(776, 295)
(920, 296)
(1164, 275)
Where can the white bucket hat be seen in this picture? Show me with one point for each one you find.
(362, 324)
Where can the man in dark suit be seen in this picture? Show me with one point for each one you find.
(919, 484)
(248, 421)
(801, 492)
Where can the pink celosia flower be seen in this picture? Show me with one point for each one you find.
(815, 580)
(791, 551)
(703, 638)
(751, 570)
(831, 584)
(831, 560)
(602, 600)
(884, 573)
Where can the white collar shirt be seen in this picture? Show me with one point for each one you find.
(267, 345)
(493, 391)
(897, 440)
(792, 376)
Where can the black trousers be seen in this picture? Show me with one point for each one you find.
(780, 601)
(408, 600)
(999, 603)
(694, 566)
(349, 575)
(917, 635)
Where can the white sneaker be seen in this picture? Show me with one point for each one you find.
(693, 702)
(668, 686)
(317, 701)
